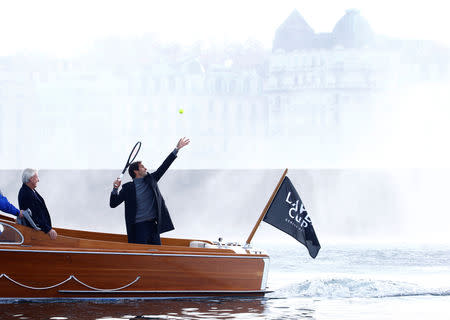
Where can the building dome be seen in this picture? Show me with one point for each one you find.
(294, 34)
(353, 31)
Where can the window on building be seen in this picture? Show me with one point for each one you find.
(172, 84)
(232, 86)
(219, 85)
(183, 83)
(277, 104)
(157, 84)
(239, 115)
(279, 82)
(260, 86)
(246, 87)
(254, 118)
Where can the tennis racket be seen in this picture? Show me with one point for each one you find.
(131, 158)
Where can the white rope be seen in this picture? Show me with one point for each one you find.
(34, 288)
(62, 282)
(97, 289)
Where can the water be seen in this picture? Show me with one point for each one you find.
(344, 282)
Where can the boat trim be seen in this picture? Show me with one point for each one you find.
(166, 291)
(136, 254)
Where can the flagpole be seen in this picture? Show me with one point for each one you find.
(247, 243)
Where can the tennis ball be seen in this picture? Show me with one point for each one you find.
(181, 111)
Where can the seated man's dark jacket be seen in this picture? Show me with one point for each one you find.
(128, 194)
(29, 199)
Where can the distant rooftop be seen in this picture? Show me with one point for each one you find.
(294, 34)
(351, 31)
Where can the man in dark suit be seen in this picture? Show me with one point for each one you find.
(146, 214)
(29, 198)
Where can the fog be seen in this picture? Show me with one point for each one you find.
(347, 205)
(361, 125)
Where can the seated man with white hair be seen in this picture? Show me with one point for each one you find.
(29, 198)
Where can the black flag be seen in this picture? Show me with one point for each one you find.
(287, 213)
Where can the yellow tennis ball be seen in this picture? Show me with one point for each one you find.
(181, 111)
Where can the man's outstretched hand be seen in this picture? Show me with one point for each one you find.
(182, 143)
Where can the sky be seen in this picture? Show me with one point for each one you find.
(68, 28)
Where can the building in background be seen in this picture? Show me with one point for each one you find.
(311, 88)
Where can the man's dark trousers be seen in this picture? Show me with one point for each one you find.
(147, 233)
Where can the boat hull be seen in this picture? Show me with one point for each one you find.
(83, 268)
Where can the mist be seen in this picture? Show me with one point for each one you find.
(347, 205)
(361, 120)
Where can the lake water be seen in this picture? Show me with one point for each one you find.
(343, 282)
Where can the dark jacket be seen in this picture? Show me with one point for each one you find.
(128, 194)
(29, 199)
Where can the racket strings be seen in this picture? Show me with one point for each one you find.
(134, 152)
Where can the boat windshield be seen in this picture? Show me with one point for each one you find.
(9, 234)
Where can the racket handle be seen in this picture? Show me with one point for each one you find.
(120, 177)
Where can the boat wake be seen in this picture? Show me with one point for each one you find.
(354, 288)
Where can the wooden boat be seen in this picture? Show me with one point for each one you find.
(83, 264)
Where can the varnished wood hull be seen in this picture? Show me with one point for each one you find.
(77, 267)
